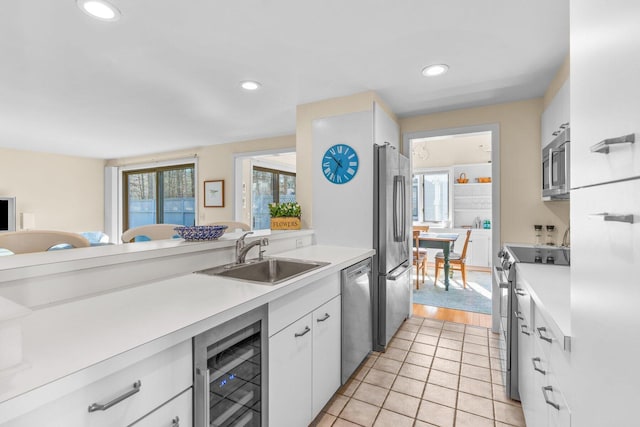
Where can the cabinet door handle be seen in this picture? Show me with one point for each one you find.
(522, 329)
(326, 316)
(518, 315)
(175, 422)
(306, 330)
(608, 217)
(535, 366)
(103, 407)
(543, 337)
(603, 146)
(546, 397)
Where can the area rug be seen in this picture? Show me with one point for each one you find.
(475, 297)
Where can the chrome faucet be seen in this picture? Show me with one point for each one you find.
(242, 248)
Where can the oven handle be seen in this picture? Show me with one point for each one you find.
(500, 275)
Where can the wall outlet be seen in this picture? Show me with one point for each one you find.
(298, 243)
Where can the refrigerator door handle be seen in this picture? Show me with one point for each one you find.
(399, 198)
(404, 209)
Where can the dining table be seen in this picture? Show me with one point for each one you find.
(442, 241)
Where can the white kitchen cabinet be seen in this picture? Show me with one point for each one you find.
(290, 375)
(542, 363)
(177, 412)
(479, 250)
(326, 354)
(555, 115)
(605, 291)
(158, 379)
(304, 352)
(605, 90)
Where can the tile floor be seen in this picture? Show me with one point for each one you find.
(434, 373)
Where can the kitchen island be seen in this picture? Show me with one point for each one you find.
(70, 345)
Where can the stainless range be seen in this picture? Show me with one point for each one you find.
(505, 275)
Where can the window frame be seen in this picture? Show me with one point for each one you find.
(275, 184)
(159, 167)
(420, 173)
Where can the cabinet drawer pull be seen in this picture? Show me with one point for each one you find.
(522, 329)
(518, 315)
(520, 292)
(326, 316)
(175, 422)
(603, 146)
(306, 330)
(100, 407)
(543, 337)
(546, 398)
(535, 367)
(609, 217)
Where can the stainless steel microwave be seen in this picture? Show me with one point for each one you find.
(555, 167)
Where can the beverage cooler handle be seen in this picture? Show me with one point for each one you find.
(205, 393)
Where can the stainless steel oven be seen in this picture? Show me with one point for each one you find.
(505, 275)
(555, 166)
(230, 366)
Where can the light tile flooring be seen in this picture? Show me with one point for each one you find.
(433, 373)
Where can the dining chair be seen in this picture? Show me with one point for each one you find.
(419, 259)
(422, 229)
(457, 261)
(27, 241)
(232, 225)
(151, 232)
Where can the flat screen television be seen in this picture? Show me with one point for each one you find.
(7, 214)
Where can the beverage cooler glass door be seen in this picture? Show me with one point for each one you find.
(229, 361)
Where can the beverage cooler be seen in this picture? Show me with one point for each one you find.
(229, 363)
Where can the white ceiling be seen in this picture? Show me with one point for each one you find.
(166, 75)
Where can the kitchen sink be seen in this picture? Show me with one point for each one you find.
(269, 271)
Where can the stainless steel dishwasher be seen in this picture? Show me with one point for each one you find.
(357, 315)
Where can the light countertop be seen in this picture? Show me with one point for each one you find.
(68, 345)
(550, 290)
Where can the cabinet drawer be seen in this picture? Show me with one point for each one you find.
(177, 412)
(289, 308)
(326, 356)
(557, 410)
(161, 377)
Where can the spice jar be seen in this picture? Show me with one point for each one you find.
(551, 235)
(538, 233)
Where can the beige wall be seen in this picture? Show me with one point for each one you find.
(215, 162)
(520, 169)
(63, 192)
(305, 115)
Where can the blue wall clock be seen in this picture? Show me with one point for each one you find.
(340, 164)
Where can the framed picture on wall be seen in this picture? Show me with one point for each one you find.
(214, 194)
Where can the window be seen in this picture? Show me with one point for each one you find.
(270, 185)
(434, 188)
(164, 195)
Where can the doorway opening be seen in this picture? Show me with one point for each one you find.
(455, 189)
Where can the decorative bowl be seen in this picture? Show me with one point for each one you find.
(201, 232)
(484, 179)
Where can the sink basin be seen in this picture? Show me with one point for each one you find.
(269, 271)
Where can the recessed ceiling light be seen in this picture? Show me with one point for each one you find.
(435, 70)
(250, 85)
(100, 9)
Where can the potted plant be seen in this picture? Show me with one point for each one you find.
(285, 216)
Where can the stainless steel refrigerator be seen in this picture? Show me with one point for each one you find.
(391, 239)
